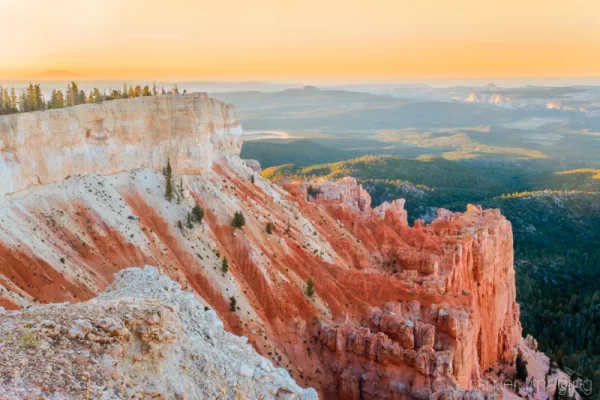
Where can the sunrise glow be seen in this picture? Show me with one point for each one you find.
(311, 39)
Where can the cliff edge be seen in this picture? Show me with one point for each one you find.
(398, 311)
(39, 148)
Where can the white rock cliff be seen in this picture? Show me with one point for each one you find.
(39, 148)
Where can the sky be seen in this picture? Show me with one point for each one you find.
(287, 40)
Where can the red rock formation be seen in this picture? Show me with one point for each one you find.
(398, 311)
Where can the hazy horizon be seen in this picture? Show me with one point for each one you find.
(425, 81)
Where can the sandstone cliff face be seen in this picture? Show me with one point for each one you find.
(46, 147)
(460, 317)
(398, 311)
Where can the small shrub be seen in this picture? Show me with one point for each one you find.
(238, 220)
(269, 229)
(179, 225)
(30, 340)
(252, 178)
(189, 221)
(225, 265)
(310, 290)
(232, 304)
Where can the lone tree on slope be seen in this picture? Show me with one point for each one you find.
(197, 213)
(521, 366)
(225, 265)
(238, 220)
(168, 172)
(310, 290)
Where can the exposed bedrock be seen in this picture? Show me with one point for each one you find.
(398, 311)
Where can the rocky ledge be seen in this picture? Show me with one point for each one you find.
(142, 338)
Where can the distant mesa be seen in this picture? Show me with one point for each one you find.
(55, 75)
(490, 86)
(307, 88)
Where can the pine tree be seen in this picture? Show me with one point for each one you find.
(96, 96)
(4, 101)
(238, 220)
(13, 100)
(60, 100)
(146, 91)
(73, 94)
(168, 170)
(521, 366)
(232, 304)
(197, 213)
(31, 98)
(169, 188)
(52, 101)
(225, 265)
(81, 98)
(24, 104)
(189, 223)
(39, 98)
(252, 178)
(269, 229)
(310, 290)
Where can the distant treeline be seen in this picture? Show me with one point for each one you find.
(32, 99)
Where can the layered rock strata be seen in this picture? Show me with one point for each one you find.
(399, 311)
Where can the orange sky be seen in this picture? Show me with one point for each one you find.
(338, 40)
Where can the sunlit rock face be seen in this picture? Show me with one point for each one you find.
(398, 311)
(46, 147)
